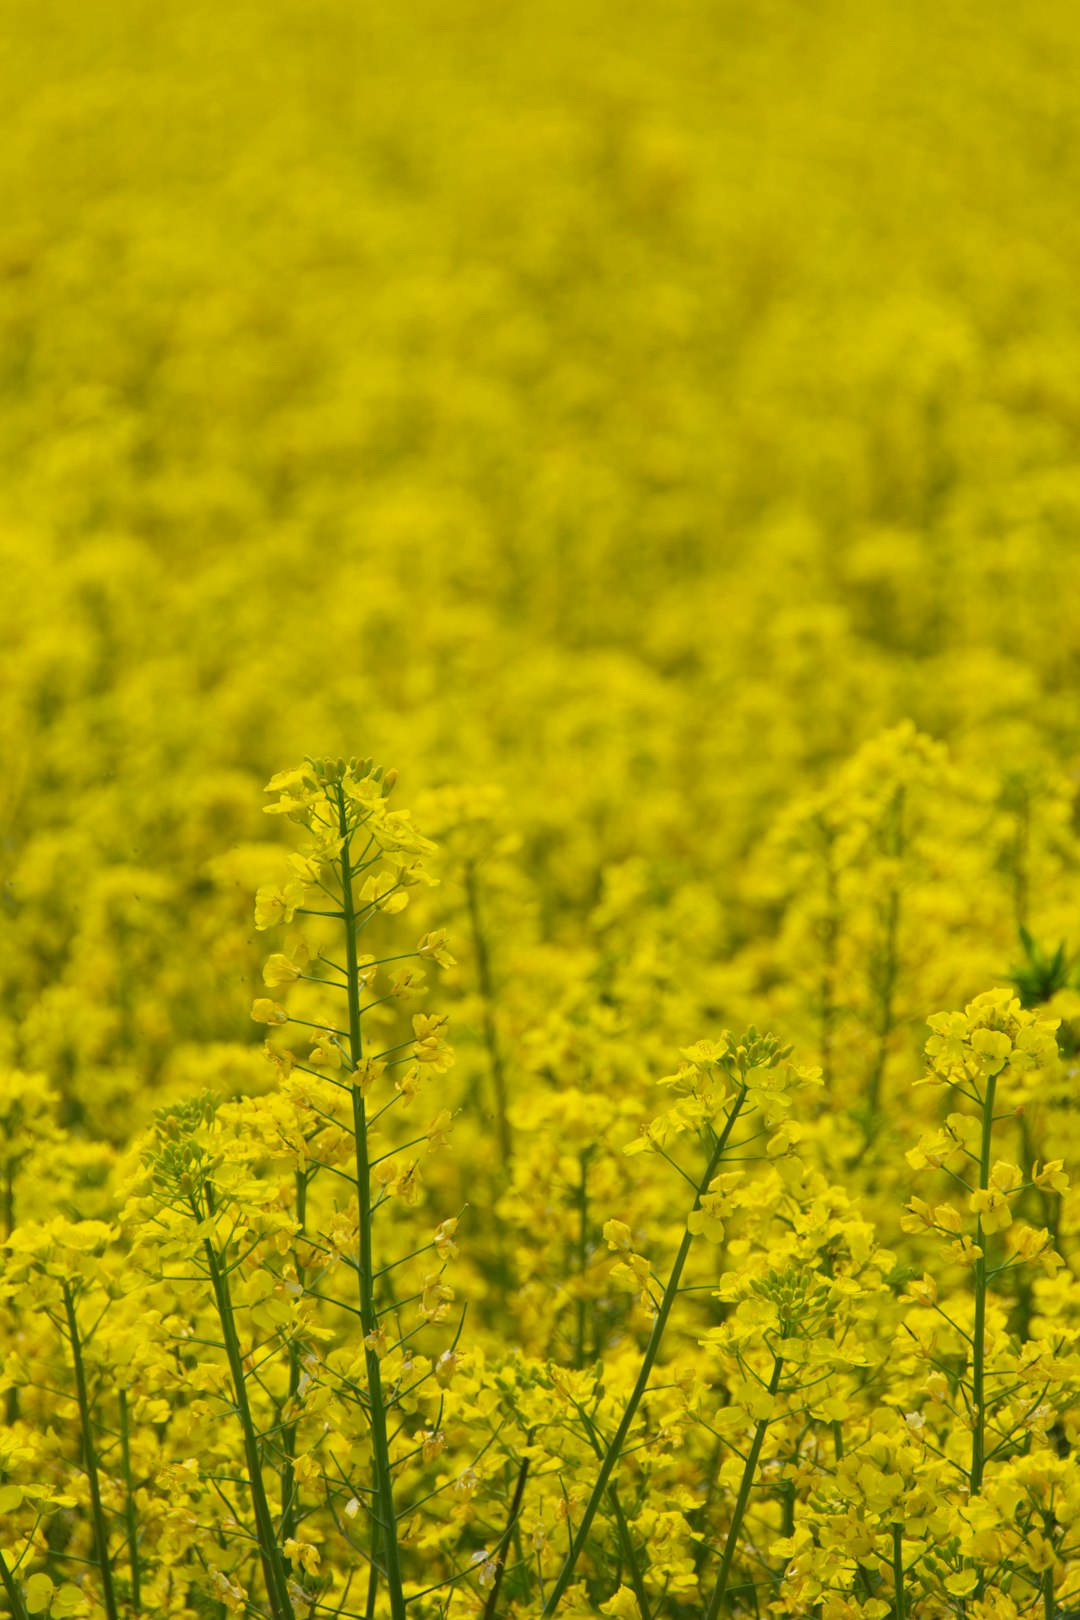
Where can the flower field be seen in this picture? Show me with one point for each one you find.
(540, 821)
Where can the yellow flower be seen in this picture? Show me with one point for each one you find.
(367, 1072)
(304, 1554)
(992, 1207)
(431, 1044)
(992, 1047)
(264, 1011)
(438, 1130)
(618, 1236)
(1033, 1246)
(408, 982)
(377, 1342)
(408, 1083)
(277, 903)
(395, 833)
(433, 1444)
(365, 971)
(703, 1222)
(623, 1606)
(277, 969)
(409, 1184)
(1052, 1176)
(964, 1251)
(433, 947)
(233, 1596)
(445, 1233)
(923, 1290)
(919, 1217)
(381, 892)
(282, 1061)
(326, 1051)
(436, 1297)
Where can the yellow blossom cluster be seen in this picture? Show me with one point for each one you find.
(629, 1169)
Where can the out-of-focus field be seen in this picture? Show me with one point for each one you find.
(652, 428)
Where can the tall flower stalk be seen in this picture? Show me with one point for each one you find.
(715, 1084)
(358, 863)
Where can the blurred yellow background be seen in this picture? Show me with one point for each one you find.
(636, 407)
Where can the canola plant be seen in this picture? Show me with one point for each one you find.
(621, 1170)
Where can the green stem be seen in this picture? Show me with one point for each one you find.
(491, 1037)
(288, 1433)
(374, 1572)
(626, 1541)
(830, 933)
(1020, 859)
(582, 1259)
(745, 1487)
(787, 1506)
(978, 1396)
(386, 1517)
(513, 1516)
(14, 1596)
(712, 1477)
(899, 1600)
(1049, 1609)
(888, 969)
(637, 1580)
(269, 1550)
(7, 1215)
(101, 1537)
(652, 1350)
(130, 1520)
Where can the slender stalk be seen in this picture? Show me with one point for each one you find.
(7, 1217)
(1021, 844)
(637, 1581)
(269, 1550)
(130, 1521)
(1049, 1609)
(288, 1433)
(386, 1517)
(712, 1477)
(626, 1541)
(787, 1506)
(101, 1536)
(491, 1037)
(374, 1571)
(491, 1606)
(899, 1600)
(582, 1259)
(652, 1350)
(978, 1396)
(830, 930)
(7, 1199)
(14, 1596)
(745, 1487)
(887, 970)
